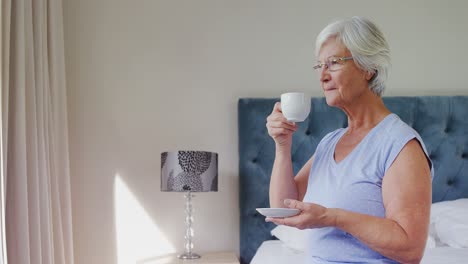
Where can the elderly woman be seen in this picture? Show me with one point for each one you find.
(365, 194)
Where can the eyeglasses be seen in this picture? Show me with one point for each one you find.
(332, 63)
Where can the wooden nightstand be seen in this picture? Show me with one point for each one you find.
(208, 258)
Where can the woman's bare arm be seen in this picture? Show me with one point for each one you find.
(406, 191)
(283, 184)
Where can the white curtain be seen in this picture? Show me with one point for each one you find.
(2, 172)
(36, 174)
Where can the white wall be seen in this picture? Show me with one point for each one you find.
(146, 76)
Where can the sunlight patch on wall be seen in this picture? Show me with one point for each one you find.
(138, 237)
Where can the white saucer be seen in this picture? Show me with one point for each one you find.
(278, 212)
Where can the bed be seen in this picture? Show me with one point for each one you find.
(442, 122)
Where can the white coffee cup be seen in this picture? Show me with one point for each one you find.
(295, 106)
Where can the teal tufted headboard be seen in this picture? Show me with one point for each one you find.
(442, 122)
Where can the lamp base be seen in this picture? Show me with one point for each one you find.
(189, 256)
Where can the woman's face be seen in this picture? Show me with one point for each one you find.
(343, 86)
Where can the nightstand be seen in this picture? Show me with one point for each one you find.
(208, 258)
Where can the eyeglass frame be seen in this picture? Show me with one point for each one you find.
(320, 65)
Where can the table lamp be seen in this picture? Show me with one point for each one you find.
(188, 172)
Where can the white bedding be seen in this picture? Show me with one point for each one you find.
(275, 252)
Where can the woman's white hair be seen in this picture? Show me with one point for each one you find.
(367, 45)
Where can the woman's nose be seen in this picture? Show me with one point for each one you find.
(324, 74)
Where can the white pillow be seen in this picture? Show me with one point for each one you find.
(450, 221)
(292, 237)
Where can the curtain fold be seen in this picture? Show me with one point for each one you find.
(35, 167)
(3, 25)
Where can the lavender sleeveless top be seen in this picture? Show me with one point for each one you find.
(353, 184)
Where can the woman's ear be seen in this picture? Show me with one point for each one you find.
(371, 76)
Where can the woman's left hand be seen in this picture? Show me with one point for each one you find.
(311, 216)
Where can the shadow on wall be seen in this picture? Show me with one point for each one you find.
(138, 237)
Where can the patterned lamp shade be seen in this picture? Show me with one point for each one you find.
(194, 171)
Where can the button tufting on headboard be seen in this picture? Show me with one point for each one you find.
(450, 182)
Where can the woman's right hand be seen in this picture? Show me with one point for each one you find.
(279, 128)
